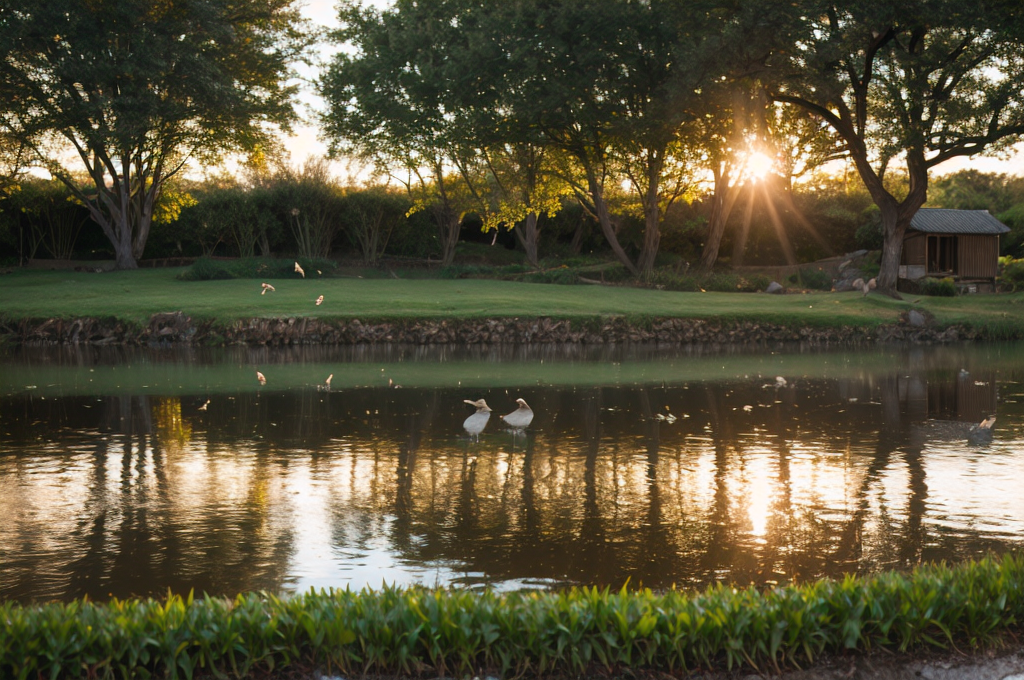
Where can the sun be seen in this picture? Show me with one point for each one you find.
(758, 165)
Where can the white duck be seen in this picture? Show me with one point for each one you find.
(521, 417)
(476, 423)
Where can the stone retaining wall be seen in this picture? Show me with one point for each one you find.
(175, 327)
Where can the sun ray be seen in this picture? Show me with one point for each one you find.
(780, 230)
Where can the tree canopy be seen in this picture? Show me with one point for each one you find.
(912, 83)
(133, 90)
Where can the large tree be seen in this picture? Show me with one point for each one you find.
(915, 83)
(390, 97)
(133, 90)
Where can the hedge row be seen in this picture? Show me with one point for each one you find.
(451, 633)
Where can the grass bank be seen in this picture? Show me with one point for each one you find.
(134, 296)
(459, 633)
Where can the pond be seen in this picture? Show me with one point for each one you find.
(134, 472)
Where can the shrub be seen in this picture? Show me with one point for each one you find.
(815, 279)
(207, 269)
(938, 287)
(370, 217)
(1011, 274)
(464, 633)
(1013, 243)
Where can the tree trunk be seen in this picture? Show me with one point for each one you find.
(449, 225)
(124, 256)
(652, 234)
(721, 205)
(894, 227)
(604, 218)
(528, 234)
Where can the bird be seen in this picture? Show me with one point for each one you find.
(476, 423)
(858, 284)
(521, 417)
(780, 381)
(299, 270)
(262, 378)
(328, 381)
(203, 407)
(266, 287)
(982, 432)
(869, 286)
(319, 300)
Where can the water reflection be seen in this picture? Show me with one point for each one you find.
(754, 482)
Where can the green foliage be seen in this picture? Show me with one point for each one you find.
(207, 269)
(815, 279)
(1011, 274)
(937, 287)
(462, 633)
(1013, 243)
(370, 217)
(140, 90)
(869, 234)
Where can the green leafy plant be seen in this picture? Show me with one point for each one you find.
(938, 287)
(449, 633)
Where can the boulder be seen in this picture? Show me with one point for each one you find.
(916, 319)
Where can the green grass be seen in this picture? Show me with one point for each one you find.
(134, 296)
(461, 633)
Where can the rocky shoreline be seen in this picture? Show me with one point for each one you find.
(176, 328)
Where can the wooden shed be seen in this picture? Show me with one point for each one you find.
(960, 244)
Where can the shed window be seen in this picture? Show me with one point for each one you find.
(942, 254)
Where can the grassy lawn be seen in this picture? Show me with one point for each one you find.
(134, 296)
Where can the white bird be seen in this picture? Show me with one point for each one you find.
(328, 381)
(266, 287)
(869, 286)
(780, 381)
(521, 417)
(476, 423)
(319, 300)
(299, 270)
(262, 378)
(203, 407)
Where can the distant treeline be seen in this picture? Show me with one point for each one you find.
(308, 214)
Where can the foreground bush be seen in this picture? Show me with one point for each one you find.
(462, 633)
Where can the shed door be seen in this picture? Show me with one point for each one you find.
(942, 255)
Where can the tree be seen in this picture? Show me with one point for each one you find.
(389, 102)
(916, 83)
(135, 90)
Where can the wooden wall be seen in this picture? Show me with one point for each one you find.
(978, 256)
(914, 250)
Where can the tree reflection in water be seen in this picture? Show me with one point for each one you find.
(755, 483)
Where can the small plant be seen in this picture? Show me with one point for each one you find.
(1011, 274)
(938, 287)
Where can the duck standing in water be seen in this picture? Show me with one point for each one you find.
(521, 417)
(476, 423)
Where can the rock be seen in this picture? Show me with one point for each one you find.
(916, 319)
(842, 286)
(774, 288)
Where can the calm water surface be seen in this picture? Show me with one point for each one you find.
(658, 466)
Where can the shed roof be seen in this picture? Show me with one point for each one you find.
(946, 221)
